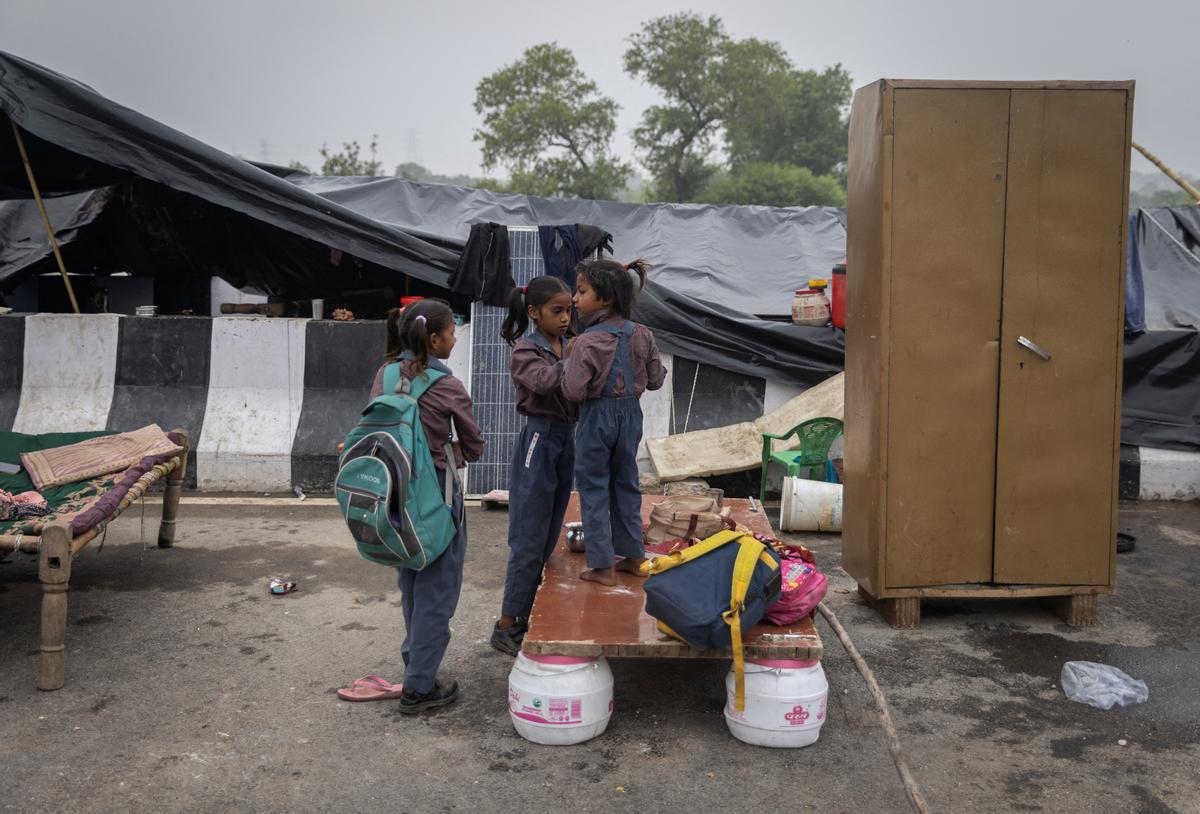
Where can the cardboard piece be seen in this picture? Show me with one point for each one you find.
(738, 447)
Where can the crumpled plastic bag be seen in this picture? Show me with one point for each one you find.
(1101, 686)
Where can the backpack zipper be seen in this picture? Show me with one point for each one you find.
(367, 495)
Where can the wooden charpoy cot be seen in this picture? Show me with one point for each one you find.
(572, 617)
(56, 547)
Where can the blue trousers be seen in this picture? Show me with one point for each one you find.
(606, 475)
(428, 599)
(539, 487)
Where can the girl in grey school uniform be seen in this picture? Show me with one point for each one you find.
(611, 364)
(544, 456)
(428, 598)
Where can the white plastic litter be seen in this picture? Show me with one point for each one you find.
(1101, 686)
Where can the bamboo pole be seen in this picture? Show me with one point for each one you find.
(37, 196)
(1167, 171)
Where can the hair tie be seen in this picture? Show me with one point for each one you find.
(419, 318)
(627, 266)
(524, 289)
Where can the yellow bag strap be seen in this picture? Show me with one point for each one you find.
(743, 572)
(750, 553)
(669, 561)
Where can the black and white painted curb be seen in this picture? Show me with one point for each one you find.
(266, 401)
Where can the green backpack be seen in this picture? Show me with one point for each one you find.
(387, 484)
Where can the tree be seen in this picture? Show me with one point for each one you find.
(550, 127)
(348, 162)
(412, 171)
(773, 185)
(786, 116)
(1143, 198)
(768, 111)
(681, 56)
(299, 167)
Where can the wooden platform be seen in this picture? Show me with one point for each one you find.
(576, 618)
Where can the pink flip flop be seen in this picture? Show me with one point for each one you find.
(370, 688)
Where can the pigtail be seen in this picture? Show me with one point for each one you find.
(516, 323)
(395, 341)
(642, 269)
(416, 341)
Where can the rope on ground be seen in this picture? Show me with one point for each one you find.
(889, 728)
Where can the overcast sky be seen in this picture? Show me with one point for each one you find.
(275, 80)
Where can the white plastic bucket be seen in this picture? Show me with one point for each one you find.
(560, 700)
(785, 703)
(810, 505)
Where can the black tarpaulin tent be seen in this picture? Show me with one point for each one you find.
(78, 141)
(252, 227)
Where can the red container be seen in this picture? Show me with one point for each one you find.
(838, 300)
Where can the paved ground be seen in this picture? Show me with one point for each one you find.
(189, 688)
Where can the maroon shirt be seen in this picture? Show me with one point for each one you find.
(537, 373)
(592, 355)
(445, 399)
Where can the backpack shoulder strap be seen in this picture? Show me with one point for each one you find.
(749, 555)
(415, 388)
(391, 378)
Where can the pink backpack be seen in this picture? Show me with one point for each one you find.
(803, 587)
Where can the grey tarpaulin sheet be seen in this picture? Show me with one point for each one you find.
(1161, 403)
(747, 258)
(1168, 251)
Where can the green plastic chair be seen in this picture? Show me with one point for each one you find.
(816, 437)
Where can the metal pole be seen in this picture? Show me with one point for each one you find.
(37, 196)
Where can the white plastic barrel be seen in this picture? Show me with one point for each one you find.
(560, 700)
(810, 505)
(785, 703)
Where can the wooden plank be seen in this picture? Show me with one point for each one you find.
(950, 155)
(867, 252)
(977, 590)
(983, 84)
(575, 618)
(1056, 473)
(738, 447)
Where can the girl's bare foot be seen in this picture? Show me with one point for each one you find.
(604, 576)
(631, 565)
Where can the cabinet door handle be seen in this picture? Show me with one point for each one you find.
(1028, 343)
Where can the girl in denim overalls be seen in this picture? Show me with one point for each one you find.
(609, 366)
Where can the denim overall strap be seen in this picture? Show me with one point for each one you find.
(622, 360)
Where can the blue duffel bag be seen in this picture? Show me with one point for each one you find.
(710, 594)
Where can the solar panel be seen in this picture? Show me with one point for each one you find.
(492, 389)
